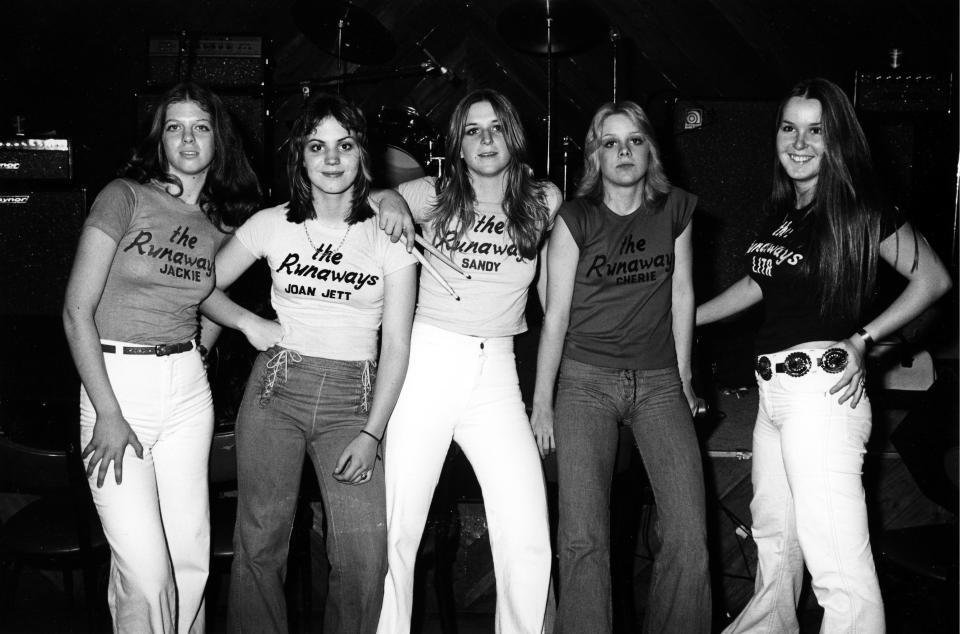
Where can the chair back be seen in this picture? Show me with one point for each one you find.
(26, 469)
(223, 457)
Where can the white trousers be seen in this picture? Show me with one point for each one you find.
(808, 507)
(465, 389)
(157, 520)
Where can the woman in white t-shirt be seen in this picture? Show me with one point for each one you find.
(319, 386)
(489, 216)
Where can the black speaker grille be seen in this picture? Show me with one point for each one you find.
(38, 238)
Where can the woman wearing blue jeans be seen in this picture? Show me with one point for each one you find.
(319, 387)
(618, 327)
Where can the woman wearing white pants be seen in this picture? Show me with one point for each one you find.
(144, 263)
(489, 216)
(813, 266)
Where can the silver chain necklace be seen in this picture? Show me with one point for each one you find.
(310, 240)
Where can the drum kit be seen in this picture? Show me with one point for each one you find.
(406, 141)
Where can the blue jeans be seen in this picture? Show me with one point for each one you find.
(592, 402)
(316, 406)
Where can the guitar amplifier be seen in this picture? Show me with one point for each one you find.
(217, 61)
(23, 159)
(899, 92)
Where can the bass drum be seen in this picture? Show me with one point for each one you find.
(403, 144)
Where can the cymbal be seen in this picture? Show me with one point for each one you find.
(574, 27)
(363, 39)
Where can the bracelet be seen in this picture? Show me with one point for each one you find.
(867, 339)
(364, 431)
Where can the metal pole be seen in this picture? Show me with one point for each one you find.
(549, 85)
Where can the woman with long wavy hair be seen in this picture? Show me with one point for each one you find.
(813, 266)
(489, 216)
(618, 329)
(144, 264)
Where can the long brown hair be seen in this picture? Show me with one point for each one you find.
(524, 201)
(231, 192)
(848, 205)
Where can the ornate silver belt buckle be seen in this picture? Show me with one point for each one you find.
(764, 368)
(797, 364)
(834, 360)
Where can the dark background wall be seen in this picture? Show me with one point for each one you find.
(81, 70)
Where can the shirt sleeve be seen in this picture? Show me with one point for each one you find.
(891, 221)
(112, 211)
(572, 214)
(420, 195)
(683, 210)
(256, 232)
(396, 256)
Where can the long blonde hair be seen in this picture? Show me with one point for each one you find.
(656, 186)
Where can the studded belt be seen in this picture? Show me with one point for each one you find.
(797, 364)
(161, 350)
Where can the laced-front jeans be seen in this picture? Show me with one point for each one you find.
(296, 405)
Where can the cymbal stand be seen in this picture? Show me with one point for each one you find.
(432, 158)
(342, 22)
(549, 85)
(614, 38)
(567, 141)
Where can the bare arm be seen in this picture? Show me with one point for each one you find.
(111, 432)
(926, 283)
(209, 332)
(563, 256)
(682, 310)
(740, 296)
(542, 279)
(400, 292)
(232, 260)
(554, 200)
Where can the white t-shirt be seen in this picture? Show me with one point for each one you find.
(493, 301)
(329, 299)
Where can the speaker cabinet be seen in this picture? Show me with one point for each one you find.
(38, 238)
(723, 152)
(218, 61)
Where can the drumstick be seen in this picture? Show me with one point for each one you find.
(432, 271)
(440, 256)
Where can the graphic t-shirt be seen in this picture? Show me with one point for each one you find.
(328, 295)
(163, 267)
(791, 300)
(620, 313)
(493, 301)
